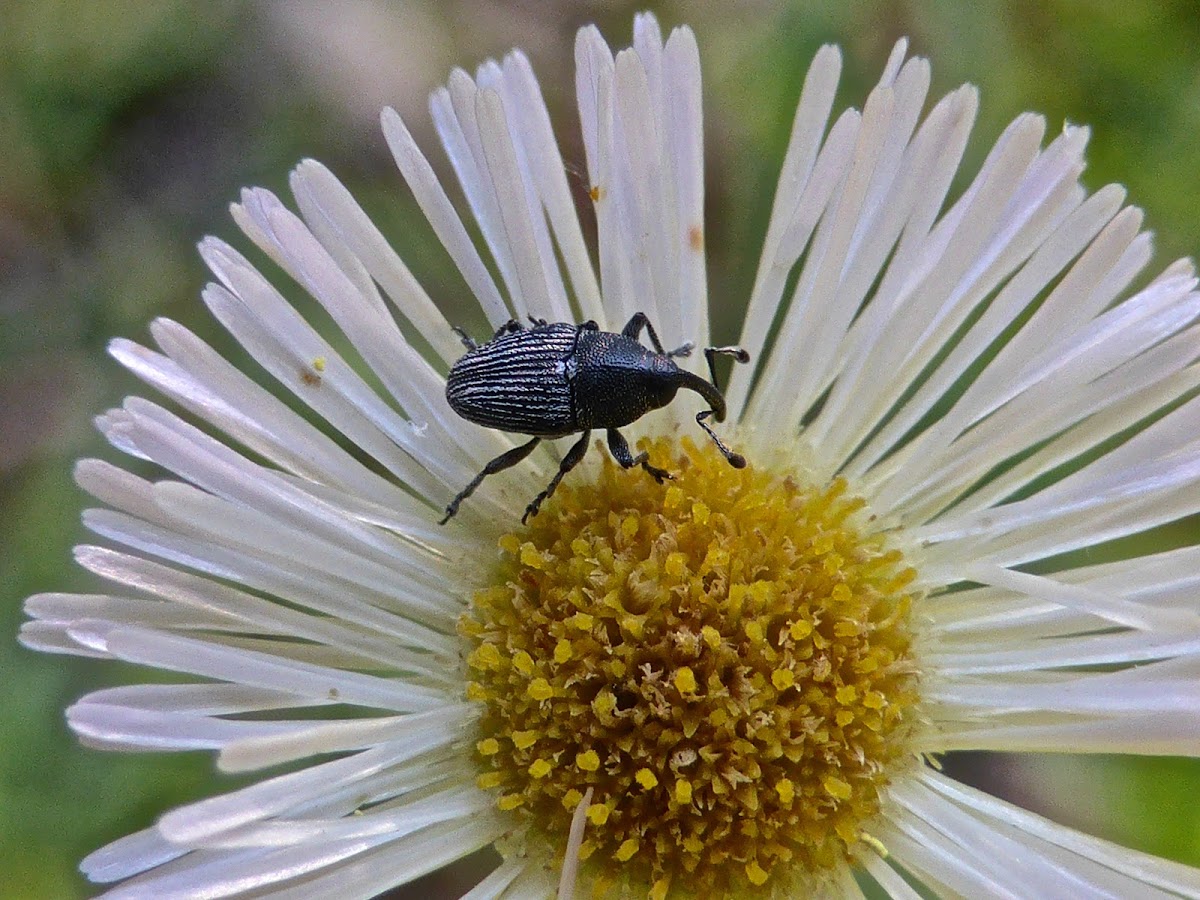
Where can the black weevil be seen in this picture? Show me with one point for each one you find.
(556, 379)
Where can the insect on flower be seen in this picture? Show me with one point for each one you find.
(558, 379)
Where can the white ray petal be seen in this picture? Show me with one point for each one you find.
(276, 796)
(440, 213)
(330, 207)
(795, 179)
(1131, 870)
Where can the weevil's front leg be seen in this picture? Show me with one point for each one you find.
(499, 464)
(640, 320)
(570, 461)
(619, 448)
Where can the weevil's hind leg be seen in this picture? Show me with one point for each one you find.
(735, 459)
(467, 340)
(570, 461)
(537, 323)
(619, 448)
(499, 464)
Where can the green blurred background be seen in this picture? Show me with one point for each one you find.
(127, 127)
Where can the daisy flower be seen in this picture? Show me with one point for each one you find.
(738, 680)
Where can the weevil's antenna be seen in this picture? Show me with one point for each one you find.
(716, 400)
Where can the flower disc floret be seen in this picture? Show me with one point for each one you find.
(726, 660)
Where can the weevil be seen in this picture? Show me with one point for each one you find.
(556, 379)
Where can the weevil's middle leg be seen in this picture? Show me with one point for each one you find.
(504, 461)
(619, 448)
(570, 461)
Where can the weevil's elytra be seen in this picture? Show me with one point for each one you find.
(556, 379)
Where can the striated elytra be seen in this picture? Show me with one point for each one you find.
(556, 379)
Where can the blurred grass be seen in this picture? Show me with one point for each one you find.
(126, 128)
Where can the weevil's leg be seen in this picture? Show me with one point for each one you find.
(634, 327)
(735, 459)
(711, 354)
(570, 461)
(589, 325)
(639, 321)
(684, 349)
(508, 328)
(537, 323)
(468, 341)
(499, 464)
(619, 448)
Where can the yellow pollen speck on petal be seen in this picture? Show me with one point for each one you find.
(319, 363)
(563, 651)
(523, 662)
(627, 850)
(488, 747)
(757, 874)
(835, 787)
(540, 689)
(588, 761)
(685, 680)
(598, 813)
(726, 662)
(683, 792)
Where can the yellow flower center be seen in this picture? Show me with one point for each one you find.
(726, 660)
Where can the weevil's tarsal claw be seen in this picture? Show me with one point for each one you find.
(684, 349)
(734, 459)
(499, 464)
